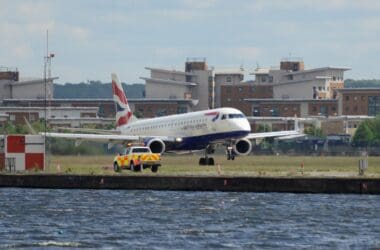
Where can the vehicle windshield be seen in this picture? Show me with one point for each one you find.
(140, 150)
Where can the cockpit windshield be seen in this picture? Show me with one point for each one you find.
(232, 116)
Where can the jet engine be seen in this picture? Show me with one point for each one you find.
(242, 147)
(156, 145)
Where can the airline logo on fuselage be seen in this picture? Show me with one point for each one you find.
(215, 114)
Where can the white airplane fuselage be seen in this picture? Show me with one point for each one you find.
(195, 130)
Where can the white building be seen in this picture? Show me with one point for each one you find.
(292, 80)
(14, 87)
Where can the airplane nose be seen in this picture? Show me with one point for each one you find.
(246, 126)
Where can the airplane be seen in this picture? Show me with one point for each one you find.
(193, 131)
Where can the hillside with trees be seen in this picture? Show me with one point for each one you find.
(96, 89)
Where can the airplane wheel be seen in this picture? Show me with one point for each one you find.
(211, 162)
(202, 161)
(154, 168)
(116, 167)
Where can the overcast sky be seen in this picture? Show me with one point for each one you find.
(93, 38)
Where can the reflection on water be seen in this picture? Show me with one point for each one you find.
(43, 218)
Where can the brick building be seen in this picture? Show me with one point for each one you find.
(359, 101)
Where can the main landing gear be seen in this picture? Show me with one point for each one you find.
(207, 161)
(230, 153)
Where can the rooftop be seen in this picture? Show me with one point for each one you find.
(190, 84)
(358, 89)
(288, 100)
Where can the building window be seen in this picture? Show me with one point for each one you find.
(324, 110)
(373, 105)
(228, 79)
(181, 110)
(274, 111)
(290, 77)
(270, 78)
(256, 111)
(12, 117)
(240, 89)
(347, 98)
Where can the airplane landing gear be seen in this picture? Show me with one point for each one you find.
(230, 153)
(207, 161)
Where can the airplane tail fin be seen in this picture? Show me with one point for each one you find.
(123, 112)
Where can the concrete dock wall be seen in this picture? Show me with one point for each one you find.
(195, 183)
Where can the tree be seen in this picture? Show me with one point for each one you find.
(363, 136)
(312, 130)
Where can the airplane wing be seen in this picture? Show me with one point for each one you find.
(106, 137)
(272, 134)
(89, 130)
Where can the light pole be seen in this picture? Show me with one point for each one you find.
(47, 75)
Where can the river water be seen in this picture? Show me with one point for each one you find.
(114, 219)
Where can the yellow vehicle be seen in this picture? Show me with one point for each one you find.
(136, 158)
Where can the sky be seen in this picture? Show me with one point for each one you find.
(92, 38)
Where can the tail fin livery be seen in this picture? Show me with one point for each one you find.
(123, 112)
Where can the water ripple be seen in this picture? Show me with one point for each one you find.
(42, 218)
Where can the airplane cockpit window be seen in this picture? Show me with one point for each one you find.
(224, 117)
(233, 116)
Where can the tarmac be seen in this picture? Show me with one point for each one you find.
(330, 185)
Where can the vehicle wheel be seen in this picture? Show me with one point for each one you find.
(202, 161)
(116, 167)
(154, 168)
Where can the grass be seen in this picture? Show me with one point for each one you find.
(242, 166)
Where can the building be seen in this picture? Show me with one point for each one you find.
(100, 108)
(236, 96)
(225, 79)
(14, 87)
(195, 84)
(359, 101)
(292, 107)
(293, 81)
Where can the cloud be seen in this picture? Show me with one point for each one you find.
(76, 32)
(244, 52)
(199, 4)
(22, 51)
(168, 52)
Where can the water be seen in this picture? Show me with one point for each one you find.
(56, 219)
